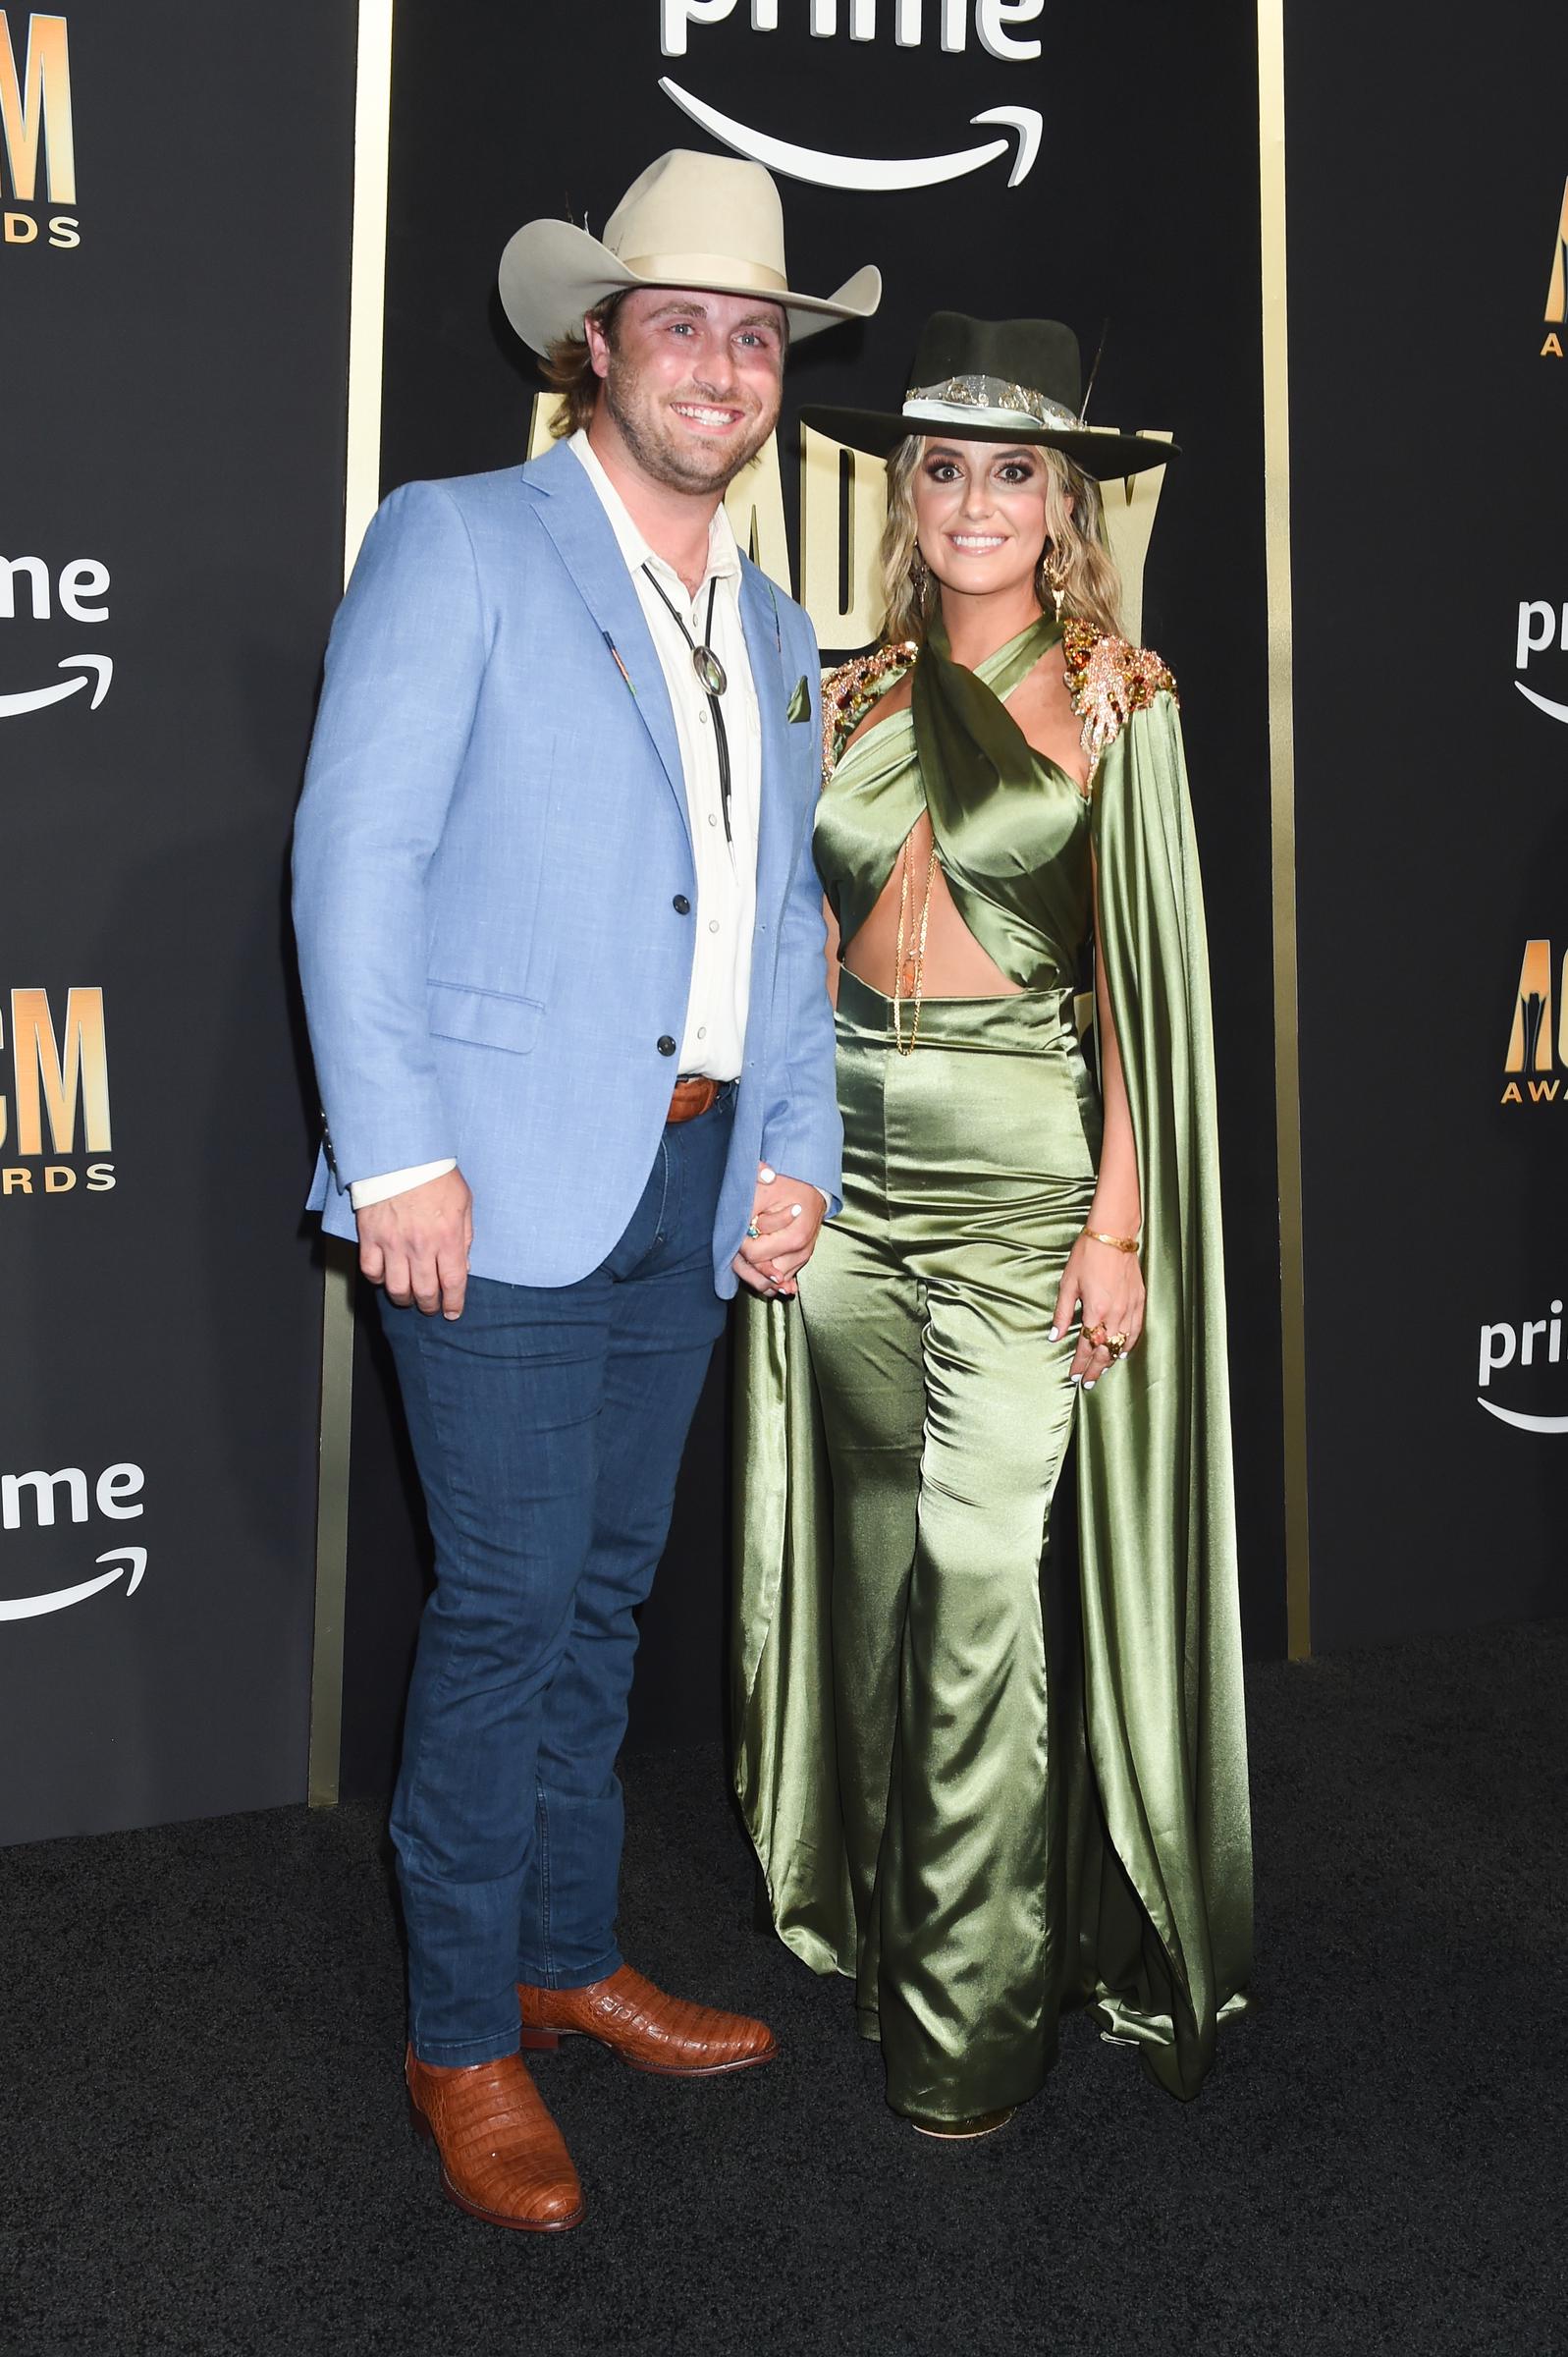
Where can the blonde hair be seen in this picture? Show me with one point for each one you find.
(1075, 536)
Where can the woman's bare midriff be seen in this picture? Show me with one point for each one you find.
(955, 966)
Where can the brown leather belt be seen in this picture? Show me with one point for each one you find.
(692, 1097)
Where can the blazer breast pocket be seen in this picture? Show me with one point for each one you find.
(483, 1019)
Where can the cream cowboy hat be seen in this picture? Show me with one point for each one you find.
(709, 222)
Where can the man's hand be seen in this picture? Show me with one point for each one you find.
(417, 1244)
(787, 1214)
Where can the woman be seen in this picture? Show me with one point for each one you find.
(977, 1793)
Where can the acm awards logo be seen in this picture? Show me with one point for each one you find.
(37, 135)
(1536, 1058)
(911, 23)
(1557, 288)
(37, 1501)
(55, 1127)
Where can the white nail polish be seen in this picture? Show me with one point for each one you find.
(765, 1175)
(1089, 1383)
(794, 1211)
(1051, 1335)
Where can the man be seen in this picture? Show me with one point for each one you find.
(562, 958)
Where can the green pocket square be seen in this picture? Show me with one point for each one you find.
(800, 702)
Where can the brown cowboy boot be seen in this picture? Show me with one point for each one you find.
(503, 2159)
(648, 2030)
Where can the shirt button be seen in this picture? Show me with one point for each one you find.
(667, 1046)
(702, 1031)
(702, 720)
(680, 905)
(712, 819)
(713, 924)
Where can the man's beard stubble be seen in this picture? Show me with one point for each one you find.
(677, 467)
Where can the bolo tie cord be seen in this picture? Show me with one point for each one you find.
(711, 678)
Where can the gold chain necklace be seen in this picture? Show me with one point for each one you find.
(918, 961)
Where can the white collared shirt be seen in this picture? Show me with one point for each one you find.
(724, 911)
(713, 1039)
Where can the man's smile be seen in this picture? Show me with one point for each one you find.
(708, 417)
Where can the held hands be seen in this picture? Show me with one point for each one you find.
(417, 1244)
(786, 1218)
(1108, 1287)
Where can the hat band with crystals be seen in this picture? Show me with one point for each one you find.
(984, 401)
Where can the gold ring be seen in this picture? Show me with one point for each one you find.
(1115, 1343)
(1095, 1334)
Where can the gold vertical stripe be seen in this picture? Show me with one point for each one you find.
(367, 288)
(1282, 805)
(362, 490)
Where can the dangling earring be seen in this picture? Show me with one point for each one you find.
(919, 576)
(1053, 575)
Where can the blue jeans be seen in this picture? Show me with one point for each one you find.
(548, 1424)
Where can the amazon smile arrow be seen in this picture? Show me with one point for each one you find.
(868, 171)
(1542, 703)
(30, 1608)
(37, 699)
(1524, 1423)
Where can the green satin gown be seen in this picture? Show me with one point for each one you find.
(983, 1788)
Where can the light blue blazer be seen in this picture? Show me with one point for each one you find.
(490, 863)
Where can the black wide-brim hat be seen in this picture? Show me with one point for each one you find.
(996, 380)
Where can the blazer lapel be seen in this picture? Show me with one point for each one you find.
(576, 522)
(759, 620)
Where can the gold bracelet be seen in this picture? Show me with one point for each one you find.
(1117, 1243)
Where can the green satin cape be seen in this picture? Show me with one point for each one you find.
(1161, 1661)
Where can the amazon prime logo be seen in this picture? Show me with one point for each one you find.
(1534, 1344)
(28, 588)
(1541, 627)
(36, 1501)
(910, 21)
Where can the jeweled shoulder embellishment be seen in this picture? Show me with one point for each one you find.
(849, 691)
(1109, 680)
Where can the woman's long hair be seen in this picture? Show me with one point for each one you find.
(1075, 541)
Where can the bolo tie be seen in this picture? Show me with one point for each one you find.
(712, 679)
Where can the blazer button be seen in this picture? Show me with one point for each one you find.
(667, 1046)
(680, 905)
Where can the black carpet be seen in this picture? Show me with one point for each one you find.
(203, 2146)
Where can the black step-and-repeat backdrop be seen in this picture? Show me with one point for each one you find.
(175, 186)
(1429, 427)
(997, 156)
